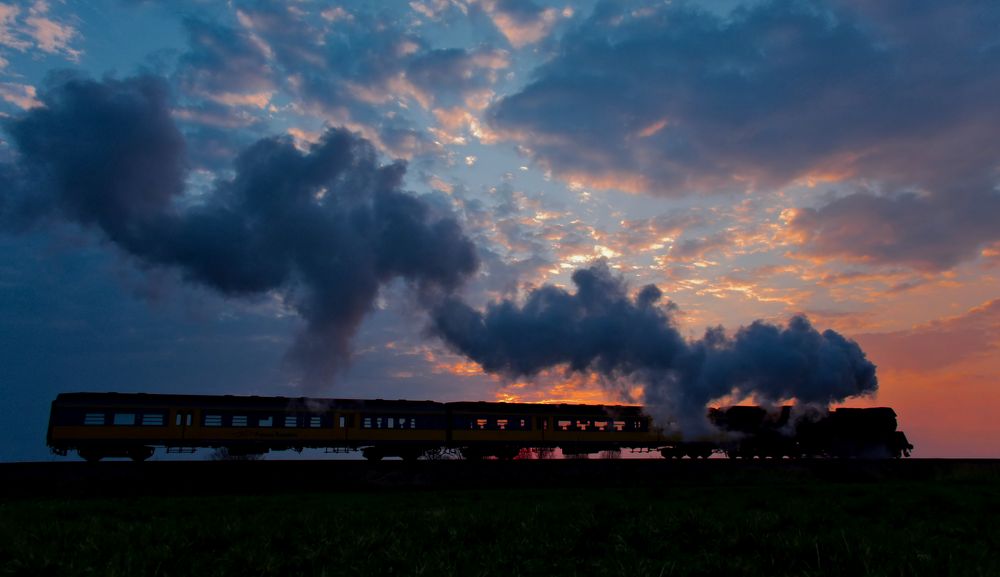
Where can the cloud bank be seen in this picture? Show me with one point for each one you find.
(896, 101)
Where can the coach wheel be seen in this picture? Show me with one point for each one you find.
(411, 456)
(90, 456)
(470, 454)
(506, 453)
(140, 454)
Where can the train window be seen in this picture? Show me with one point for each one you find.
(93, 419)
(491, 423)
(619, 425)
(124, 419)
(188, 418)
(402, 422)
(563, 425)
(601, 425)
(391, 422)
(239, 420)
(635, 425)
(213, 420)
(545, 424)
(314, 422)
(343, 421)
(413, 423)
(153, 419)
(267, 421)
(291, 421)
(367, 423)
(177, 419)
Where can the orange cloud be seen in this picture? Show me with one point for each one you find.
(21, 95)
(939, 344)
(948, 413)
(557, 386)
(943, 379)
(652, 128)
(518, 30)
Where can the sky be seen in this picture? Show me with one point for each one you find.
(674, 203)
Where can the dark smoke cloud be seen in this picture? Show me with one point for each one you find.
(325, 228)
(601, 328)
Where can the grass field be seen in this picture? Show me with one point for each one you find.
(889, 528)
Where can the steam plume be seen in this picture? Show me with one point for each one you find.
(325, 228)
(600, 328)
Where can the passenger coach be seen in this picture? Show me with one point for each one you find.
(99, 425)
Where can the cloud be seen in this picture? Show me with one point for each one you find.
(674, 100)
(600, 328)
(926, 232)
(369, 59)
(324, 228)
(364, 68)
(51, 35)
(697, 248)
(226, 65)
(35, 28)
(522, 22)
(455, 75)
(10, 37)
(21, 95)
(941, 345)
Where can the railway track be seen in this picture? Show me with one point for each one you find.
(112, 479)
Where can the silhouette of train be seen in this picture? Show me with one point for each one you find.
(99, 425)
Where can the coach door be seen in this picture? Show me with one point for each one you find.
(342, 423)
(183, 420)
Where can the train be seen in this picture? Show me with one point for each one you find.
(135, 425)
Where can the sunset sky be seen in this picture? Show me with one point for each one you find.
(276, 198)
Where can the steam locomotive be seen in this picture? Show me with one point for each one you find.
(99, 425)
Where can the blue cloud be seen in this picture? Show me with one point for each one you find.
(675, 100)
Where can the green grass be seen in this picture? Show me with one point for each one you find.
(906, 528)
